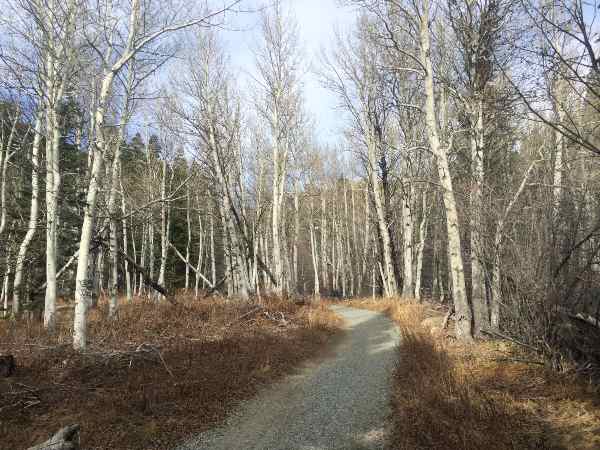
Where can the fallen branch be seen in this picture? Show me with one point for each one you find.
(447, 317)
(589, 319)
(215, 287)
(147, 279)
(178, 253)
(508, 338)
(281, 321)
(66, 438)
(525, 361)
(249, 313)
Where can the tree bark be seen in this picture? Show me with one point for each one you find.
(33, 214)
(390, 283)
(481, 312)
(423, 226)
(82, 280)
(407, 244)
(462, 308)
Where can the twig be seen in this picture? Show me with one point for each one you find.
(164, 363)
(508, 338)
(447, 317)
(249, 313)
(526, 361)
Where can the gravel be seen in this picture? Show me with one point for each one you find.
(338, 402)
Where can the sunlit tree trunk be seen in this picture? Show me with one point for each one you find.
(463, 316)
(390, 283)
(82, 281)
(407, 244)
(165, 224)
(296, 238)
(33, 213)
(423, 226)
(6, 153)
(213, 260)
(314, 254)
(324, 239)
(481, 313)
(128, 280)
(53, 181)
(200, 255)
(188, 223)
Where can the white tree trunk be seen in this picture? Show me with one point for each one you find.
(324, 258)
(421, 246)
(33, 214)
(355, 264)
(462, 308)
(128, 286)
(407, 244)
(6, 282)
(213, 260)
(200, 255)
(390, 283)
(366, 238)
(315, 256)
(82, 280)
(53, 181)
(189, 238)
(165, 214)
(6, 154)
(498, 241)
(296, 237)
(481, 313)
(349, 269)
(278, 180)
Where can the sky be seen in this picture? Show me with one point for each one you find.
(317, 22)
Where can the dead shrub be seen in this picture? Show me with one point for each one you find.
(488, 394)
(155, 373)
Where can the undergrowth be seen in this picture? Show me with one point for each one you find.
(153, 375)
(486, 395)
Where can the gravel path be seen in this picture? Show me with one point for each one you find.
(340, 402)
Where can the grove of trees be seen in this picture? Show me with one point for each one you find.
(133, 161)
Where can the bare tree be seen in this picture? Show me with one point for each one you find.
(277, 62)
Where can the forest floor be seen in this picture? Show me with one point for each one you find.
(491, 395)
(154, 375)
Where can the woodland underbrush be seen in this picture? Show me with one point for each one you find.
(484, 395)
(153, 375)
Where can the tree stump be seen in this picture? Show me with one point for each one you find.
(66, 438)
(7, 365)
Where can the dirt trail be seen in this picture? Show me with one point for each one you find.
(340, 402)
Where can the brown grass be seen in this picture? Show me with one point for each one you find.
(487, 395)
(155, 374)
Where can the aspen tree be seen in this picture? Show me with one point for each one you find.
(278, 68)
(33, 213)
(139, 35)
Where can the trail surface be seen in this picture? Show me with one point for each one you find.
(339, 402)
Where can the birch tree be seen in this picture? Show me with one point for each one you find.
(355, 80)
(479, 29)
(33, 213)
(140, 33)
(209, 116)
(278, 72)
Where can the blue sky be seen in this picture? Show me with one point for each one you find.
(317, 21)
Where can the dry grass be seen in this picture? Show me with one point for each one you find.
(155, 374)
(487, 395)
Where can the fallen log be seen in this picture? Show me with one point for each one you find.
(193, 269)
(66, 438)
(147, 279)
